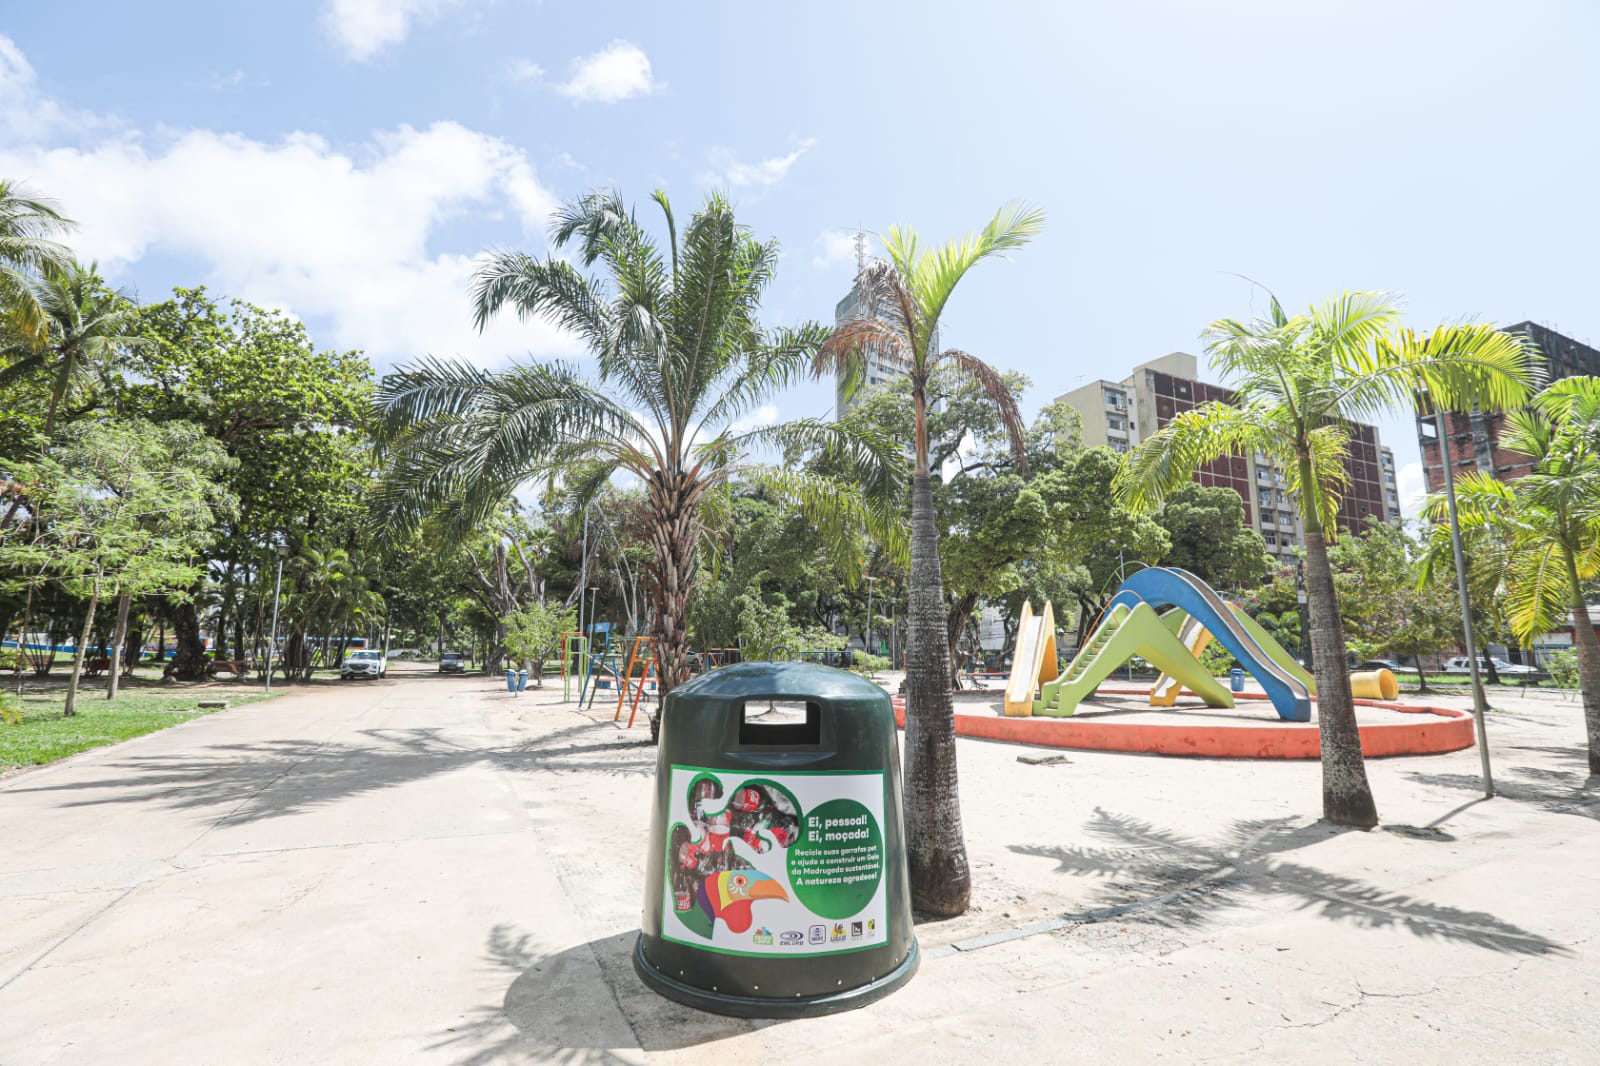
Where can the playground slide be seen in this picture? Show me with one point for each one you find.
(1278, 652)
(1125, 630)
(1290, 695)
(1034, 660)
(1193, 636)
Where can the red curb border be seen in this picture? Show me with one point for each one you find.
(1438, 730)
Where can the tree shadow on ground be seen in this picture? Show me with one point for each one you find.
(1553, 791)
(270, 779)
(549, 1009)
(1175, 880)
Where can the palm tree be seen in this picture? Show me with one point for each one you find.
(86, 326)
(908, 295)
(681, 357)
(27, 252)
(1548, 523)
(1298, 385)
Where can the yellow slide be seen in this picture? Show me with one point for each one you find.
(1034, 661)
(1195, 637)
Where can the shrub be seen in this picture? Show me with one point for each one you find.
(10, 709)
(1563, 667)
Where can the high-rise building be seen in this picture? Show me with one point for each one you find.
(1120, 414)
(880, 365)
(1475, 438)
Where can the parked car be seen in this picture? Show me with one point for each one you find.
(1382, 664)
(363, 663)
(452, 662)
(1461, 664)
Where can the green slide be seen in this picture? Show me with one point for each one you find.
(1126, 631)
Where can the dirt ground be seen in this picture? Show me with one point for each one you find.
(426, 869)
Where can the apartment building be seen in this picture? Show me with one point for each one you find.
(1475, 437)
(1120, 414)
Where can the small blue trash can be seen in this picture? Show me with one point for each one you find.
(1236, 679)
(522, 680)
(511, 681)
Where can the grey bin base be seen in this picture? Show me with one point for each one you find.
(758, 1007)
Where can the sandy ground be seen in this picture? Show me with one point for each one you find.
(427, 870)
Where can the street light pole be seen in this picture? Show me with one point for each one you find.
(1479, 701)
(870, 580)
(277, 590)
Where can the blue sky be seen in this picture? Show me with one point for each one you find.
(346, 159)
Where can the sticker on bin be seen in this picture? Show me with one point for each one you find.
(775, 864)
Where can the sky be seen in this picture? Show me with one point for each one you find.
(346, 160)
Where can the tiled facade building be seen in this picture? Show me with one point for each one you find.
(1475, 438)
(1119, 414)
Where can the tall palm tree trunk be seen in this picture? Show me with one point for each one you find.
(674, 536)
(1588, 648)
(941, 880)
(1346, 795)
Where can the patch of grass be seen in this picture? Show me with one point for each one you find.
(46, 734)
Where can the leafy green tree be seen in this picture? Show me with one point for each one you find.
(1107, 540)
(910, 293)
(286, 413)
(1211, 539)
(533, 634)
(29, 225)
(1385, 609)
(1299, 383)
(123, 508)
(681, 356)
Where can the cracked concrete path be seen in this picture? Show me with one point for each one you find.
(425, 870)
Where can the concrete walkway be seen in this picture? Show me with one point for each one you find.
(425, 870)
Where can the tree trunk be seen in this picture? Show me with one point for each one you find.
(1588, 647)
(959, 613)
(1346, 795)
(1488, 667)
(81, 650)
(117, 640)
(1422, 679)
(941, 879)
(189, 657)
(674, 535)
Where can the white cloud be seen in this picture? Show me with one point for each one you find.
(363, 28)
(1412, 488)
(837, 247)
(220, 82)
(765, 415)
(338, 238)
(616, 72)
(726, 169)
(523, 70)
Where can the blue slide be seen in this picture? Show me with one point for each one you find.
(1162, 586)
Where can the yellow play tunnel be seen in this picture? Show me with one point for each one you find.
(1375, 685)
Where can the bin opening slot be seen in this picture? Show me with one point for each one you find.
(780, 722)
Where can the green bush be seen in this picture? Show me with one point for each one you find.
(869, 664)
(1217, 660)
(10, 709)
(1563, 668)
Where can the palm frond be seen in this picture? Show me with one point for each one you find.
(1167, 459)
(993, 384)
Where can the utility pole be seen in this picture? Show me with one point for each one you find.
(277, 590)
(1480, 703)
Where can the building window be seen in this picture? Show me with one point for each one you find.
(1116, 422)
(1118, 444)
(1115, 399)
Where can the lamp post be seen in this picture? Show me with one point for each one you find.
(1300, 608)
(282, 551)
(1480, 703)
(870, 581)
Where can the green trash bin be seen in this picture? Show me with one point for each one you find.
(776, 882)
